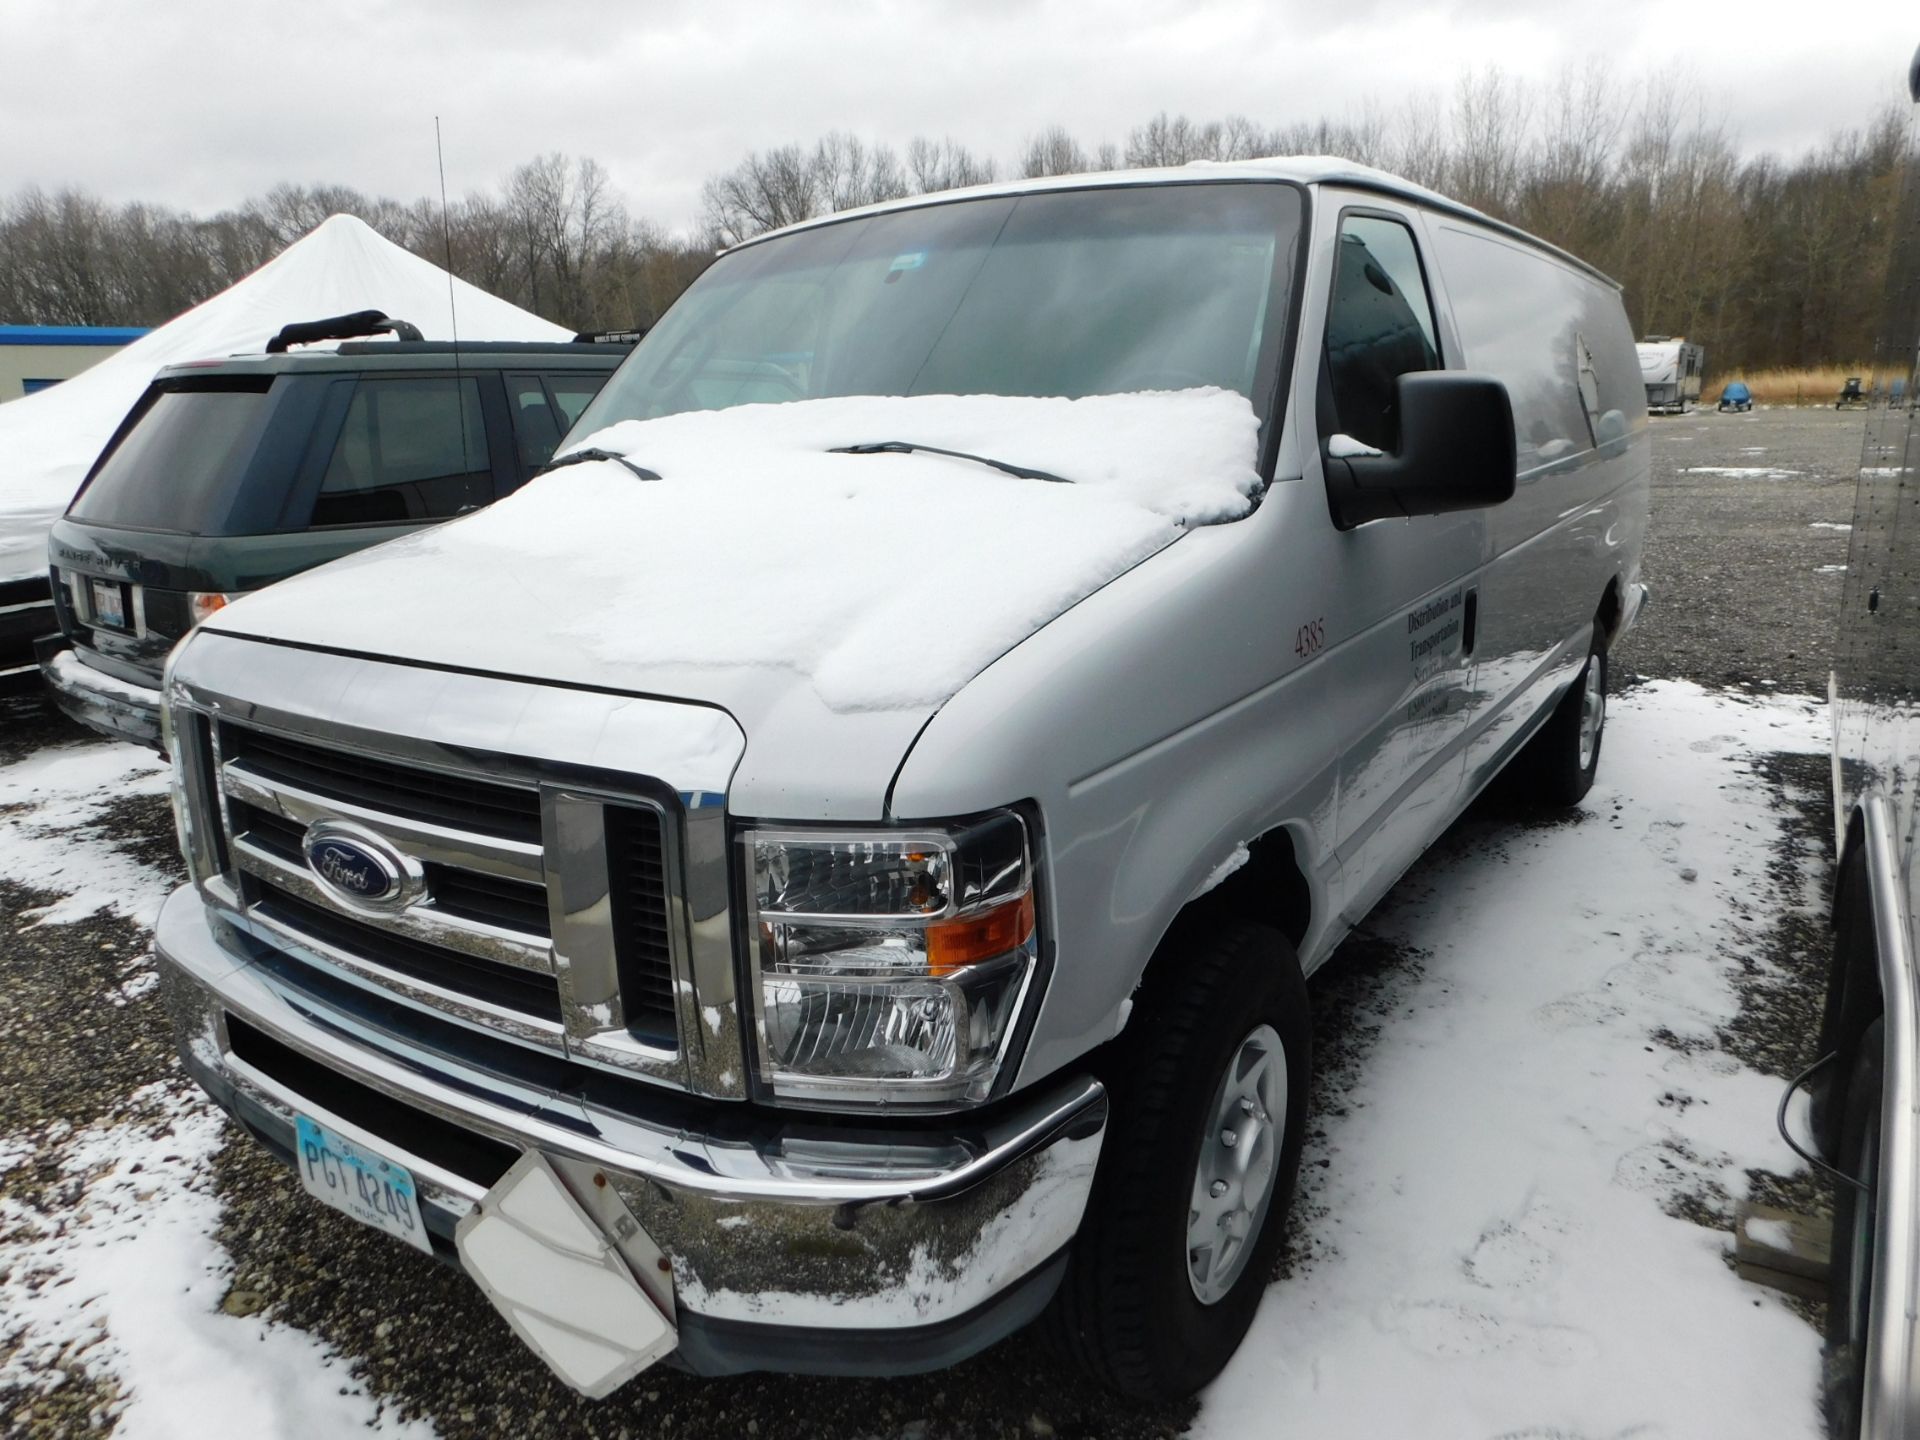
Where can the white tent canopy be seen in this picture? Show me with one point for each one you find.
(49, 439)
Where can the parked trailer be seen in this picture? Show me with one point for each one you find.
(1671, 368)
(1865, 1102)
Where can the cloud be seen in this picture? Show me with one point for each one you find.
(201, 106)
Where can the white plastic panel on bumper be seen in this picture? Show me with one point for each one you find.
(562, 1281)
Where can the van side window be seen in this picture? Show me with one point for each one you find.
(1532, 321)
(1379, 327)
(410, 449)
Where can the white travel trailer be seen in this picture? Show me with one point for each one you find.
(1671, 368)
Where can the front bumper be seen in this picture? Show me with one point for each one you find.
(102, 702)
(794, 1245)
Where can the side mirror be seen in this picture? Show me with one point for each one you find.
(1456, 452)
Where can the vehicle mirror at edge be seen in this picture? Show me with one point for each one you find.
(1456, 453)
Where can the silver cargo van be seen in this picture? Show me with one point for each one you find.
(827, 874)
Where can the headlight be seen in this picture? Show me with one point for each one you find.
(889, 965)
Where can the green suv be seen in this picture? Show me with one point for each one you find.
(232, 474)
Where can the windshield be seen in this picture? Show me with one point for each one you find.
(1064, 293)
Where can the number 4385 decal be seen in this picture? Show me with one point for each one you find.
(1310, 638)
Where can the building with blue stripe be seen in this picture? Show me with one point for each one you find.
(33, 357)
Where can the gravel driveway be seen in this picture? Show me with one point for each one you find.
(1745, 595)
(1749, 544)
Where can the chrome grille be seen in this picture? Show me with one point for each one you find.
(478, 943)
(484, 807)
(496, 793)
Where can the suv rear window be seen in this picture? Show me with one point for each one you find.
(177, 467)
(410, 449)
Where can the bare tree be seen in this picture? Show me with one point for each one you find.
(1768, 261)
(943, 165)
(1053, 152)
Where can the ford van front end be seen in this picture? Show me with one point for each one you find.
(441, 923)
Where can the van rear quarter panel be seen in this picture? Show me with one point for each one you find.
(1578, 518)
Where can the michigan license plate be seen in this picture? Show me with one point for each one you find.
(109, 604)
(357, 1182)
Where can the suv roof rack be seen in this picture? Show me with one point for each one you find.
(630, 336)
(340, 327)
(463, 347)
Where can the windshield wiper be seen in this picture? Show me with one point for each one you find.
(908, 447)
(580, 457)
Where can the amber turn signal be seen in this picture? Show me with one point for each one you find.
(955, 944)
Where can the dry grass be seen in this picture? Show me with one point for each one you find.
(1814, 385)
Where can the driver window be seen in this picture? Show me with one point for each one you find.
(1379, 327)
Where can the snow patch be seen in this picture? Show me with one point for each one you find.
(128, 1289)
(1737, 472)
(1829, 525)
(1218, 875)
(1491, 1232)
(50, 799)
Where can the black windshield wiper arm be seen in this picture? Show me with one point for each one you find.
(580, 457)
(908, 447)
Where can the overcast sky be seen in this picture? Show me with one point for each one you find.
(200, 105)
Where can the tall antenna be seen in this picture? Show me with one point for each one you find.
(453, 313)
(446, 238)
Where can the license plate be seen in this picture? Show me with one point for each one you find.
(109, 604)
(357, 1182)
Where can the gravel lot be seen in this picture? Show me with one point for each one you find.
(1743, 598)
(1746, 566)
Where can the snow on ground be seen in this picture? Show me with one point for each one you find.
(128, 1285)
(124, 1281)
(1500, 1263)
(49, 805)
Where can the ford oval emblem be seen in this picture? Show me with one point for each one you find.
(357, 865)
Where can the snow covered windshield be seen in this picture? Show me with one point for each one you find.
(1062, 293)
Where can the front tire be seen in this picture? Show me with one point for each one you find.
(1183, 1225)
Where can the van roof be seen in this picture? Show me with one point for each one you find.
(1310, 170)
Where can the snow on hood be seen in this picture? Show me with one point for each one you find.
(885, 581)
(49, 440)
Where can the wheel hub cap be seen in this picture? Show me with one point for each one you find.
(1239, 1156)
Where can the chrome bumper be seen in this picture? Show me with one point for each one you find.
(794, 1243)
(100, 701)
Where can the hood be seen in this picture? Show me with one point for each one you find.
(761, 571)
